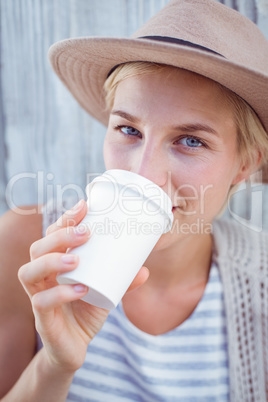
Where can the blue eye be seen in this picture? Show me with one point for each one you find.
(191, 142)
(130, 130)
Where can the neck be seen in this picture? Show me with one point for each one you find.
(184, 263)
(178, 277)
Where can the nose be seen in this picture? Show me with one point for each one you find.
(151, 163)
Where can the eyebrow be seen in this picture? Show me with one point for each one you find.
(125, 115)
(186, 128)
(192, 127)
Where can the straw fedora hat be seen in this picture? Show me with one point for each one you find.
(202, 36)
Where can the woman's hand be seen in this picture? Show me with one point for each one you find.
(65, 323)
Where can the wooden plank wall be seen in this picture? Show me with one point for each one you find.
(48, 144)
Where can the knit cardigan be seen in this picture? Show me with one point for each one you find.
(242, 257)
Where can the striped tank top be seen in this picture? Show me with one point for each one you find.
(189, 363)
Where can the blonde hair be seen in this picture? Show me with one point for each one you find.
(252, 139)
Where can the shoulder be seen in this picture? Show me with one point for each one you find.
(20, 227)
(18, 230)
(240, 242)
(231, 227)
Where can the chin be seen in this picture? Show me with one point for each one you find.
(166, 240)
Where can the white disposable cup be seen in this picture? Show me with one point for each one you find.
(127, 214)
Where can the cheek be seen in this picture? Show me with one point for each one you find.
(113, 156)
(202, 194)
(213, 196)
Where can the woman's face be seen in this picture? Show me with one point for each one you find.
(176, 129)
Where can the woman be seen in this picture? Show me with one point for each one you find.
(186, 108)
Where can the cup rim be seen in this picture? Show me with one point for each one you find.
(124, 178)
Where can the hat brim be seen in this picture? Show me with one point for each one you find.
(84, 63)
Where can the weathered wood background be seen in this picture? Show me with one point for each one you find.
(48, 144)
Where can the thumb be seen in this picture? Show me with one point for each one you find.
(140, 278)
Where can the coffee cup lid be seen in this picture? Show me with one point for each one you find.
(140, 184)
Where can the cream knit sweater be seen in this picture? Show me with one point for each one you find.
(242, 257)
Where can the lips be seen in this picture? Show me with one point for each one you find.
(180, 207)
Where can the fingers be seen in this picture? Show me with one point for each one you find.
(46, 301)
(60, 241)
(140, 278)
(52, 264)
(72, 217)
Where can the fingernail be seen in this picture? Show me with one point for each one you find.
(80, 288)
(81, 230)
(77, 206)
(69, 258)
